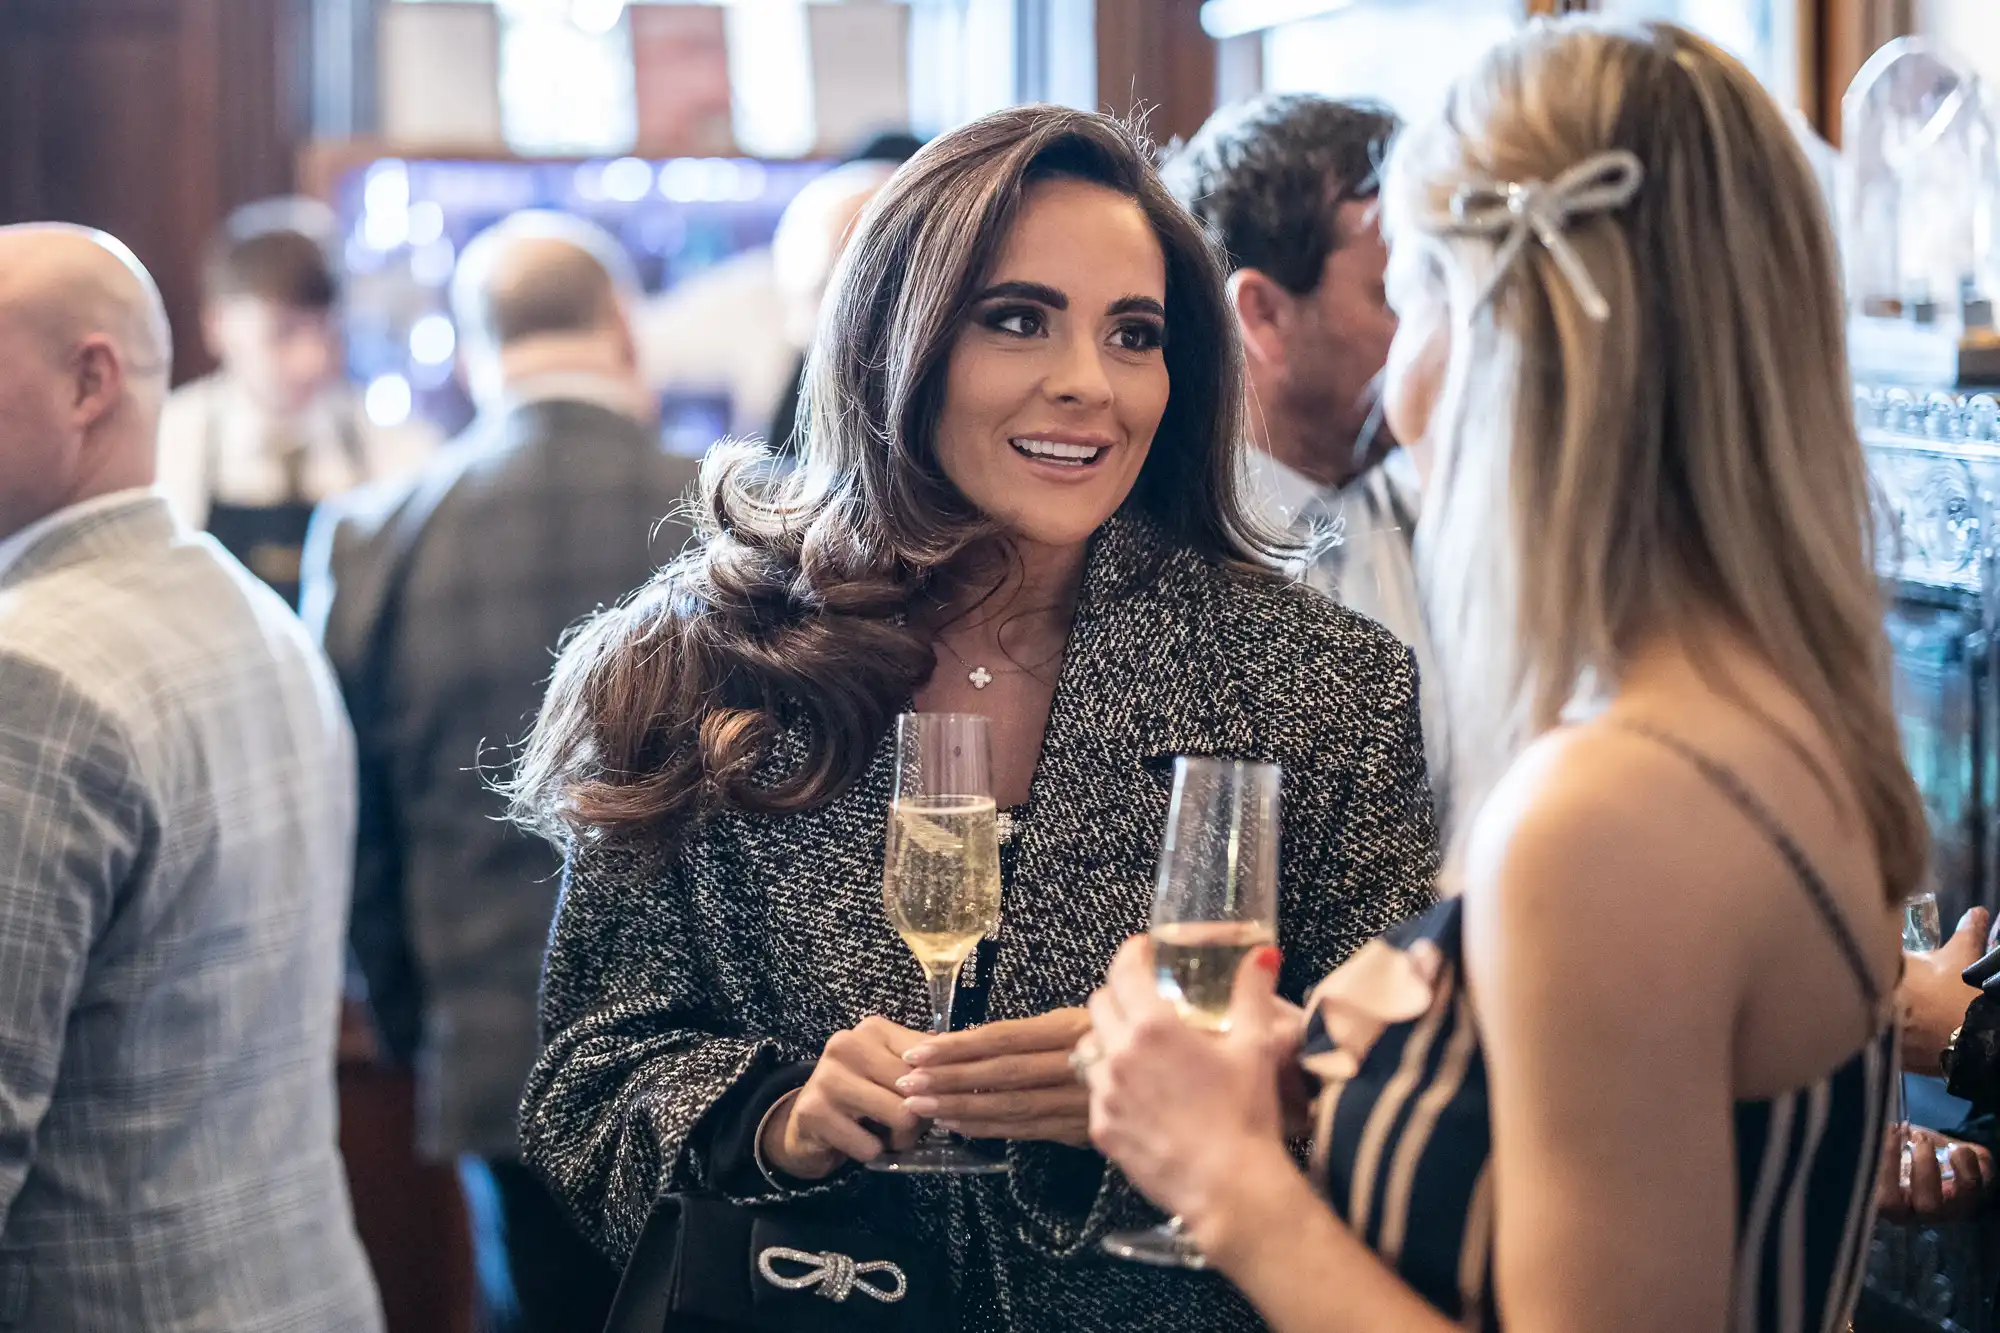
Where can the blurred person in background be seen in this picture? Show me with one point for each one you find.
(1286, 185)
(742, 326)
(810, 240)
(176, 822)
(247, 452)
(441, 601)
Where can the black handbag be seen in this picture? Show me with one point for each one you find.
(706, 1265)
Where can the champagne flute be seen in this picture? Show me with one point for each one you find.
(1215, 899)
(1922, 930)
(941, 885)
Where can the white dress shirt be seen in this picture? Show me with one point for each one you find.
(1362, 558)
(216, 447)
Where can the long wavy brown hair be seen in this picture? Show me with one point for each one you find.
(791, 616)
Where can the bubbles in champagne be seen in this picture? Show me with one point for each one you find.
(941, 876)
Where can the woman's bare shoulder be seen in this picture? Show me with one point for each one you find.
(1609, 834)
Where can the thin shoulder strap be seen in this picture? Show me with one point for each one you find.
(1738, 793)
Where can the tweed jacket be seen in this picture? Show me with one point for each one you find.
(176, 816)
(441, 602)
(674, 976)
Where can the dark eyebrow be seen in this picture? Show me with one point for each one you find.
(1137, 305)
(1040, 293)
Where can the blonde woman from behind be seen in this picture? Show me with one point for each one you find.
(1635, 1075)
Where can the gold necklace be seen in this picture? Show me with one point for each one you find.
(979, 675)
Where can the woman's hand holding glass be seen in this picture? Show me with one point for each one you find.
(1930, 1178)
(1005, 1080)
(1184, 1111)
(852, 1091)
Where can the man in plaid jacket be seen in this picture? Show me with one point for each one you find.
(176, 809)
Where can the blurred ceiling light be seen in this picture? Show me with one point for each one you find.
(596, 16)
(385, 229)
(628, 180)
(750, 181)
(681, 180)
(426, 222)
(718, 178)
(386, 188)
(388, 400)
(432, 340)
(1222, 19)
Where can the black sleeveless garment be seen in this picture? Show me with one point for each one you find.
(1402, 1149)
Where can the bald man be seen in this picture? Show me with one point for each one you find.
(441, 603)
(176, 816)
(811, 237)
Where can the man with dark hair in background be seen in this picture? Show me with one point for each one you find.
(1286, 185)
(247, 452)
(441, 601)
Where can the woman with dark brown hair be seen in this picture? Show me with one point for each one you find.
(1017, 497)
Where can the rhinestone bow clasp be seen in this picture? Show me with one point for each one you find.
(1516, 212)
(832, 1275)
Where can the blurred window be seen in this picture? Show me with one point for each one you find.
(1763, 34)
(1403, 53)
(566, 84)
(1966, 31)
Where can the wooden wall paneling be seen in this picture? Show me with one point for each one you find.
(1847, 32)
(203, 144)
(149, 119)
(1153, 56)
(101, 136)
(264, 67)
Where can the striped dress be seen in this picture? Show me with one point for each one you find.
(1403, 1150)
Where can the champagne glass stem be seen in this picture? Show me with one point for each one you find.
(944, 989)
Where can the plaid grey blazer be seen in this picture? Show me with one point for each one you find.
(175, 814)
(441, 601)
(677, 975)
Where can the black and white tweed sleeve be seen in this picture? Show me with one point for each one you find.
(638, 1047)
(1379, 867)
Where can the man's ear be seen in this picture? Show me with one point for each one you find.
(97, 383)
(1265, 312)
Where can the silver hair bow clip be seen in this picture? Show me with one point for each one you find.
(1517, 210)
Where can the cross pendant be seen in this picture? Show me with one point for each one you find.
(980, 678)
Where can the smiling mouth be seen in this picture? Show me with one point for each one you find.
(1058, 453)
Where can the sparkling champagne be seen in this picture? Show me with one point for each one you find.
(941, 876)
(1197, 962)
(1922, 930)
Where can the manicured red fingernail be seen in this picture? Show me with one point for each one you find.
(1268, 958)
